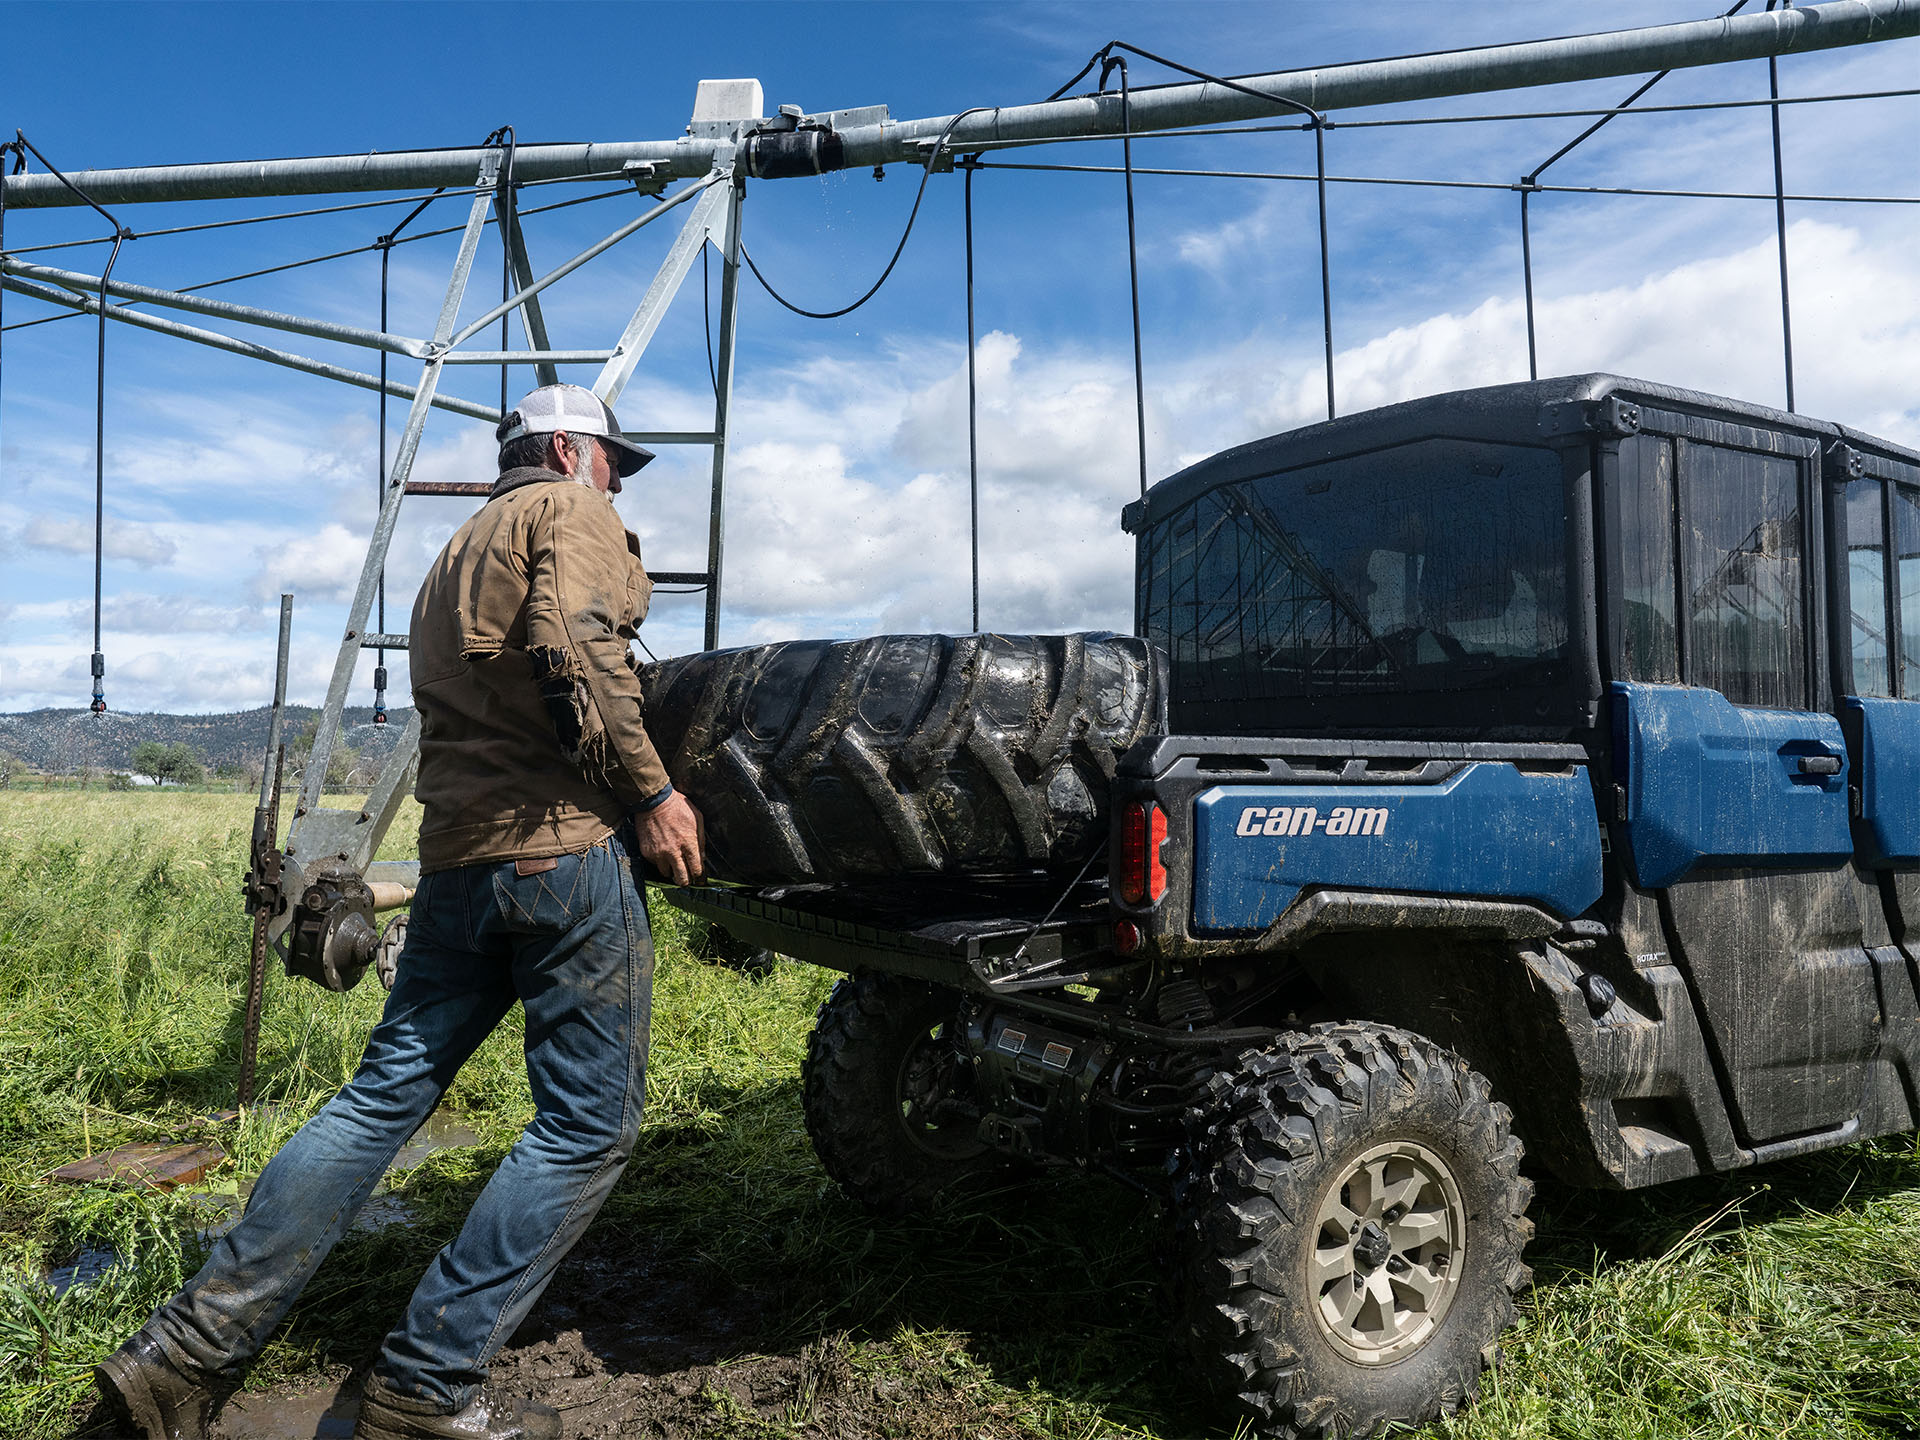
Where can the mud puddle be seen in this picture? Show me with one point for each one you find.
(648, 1346)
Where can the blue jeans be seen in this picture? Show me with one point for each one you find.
(572, 945)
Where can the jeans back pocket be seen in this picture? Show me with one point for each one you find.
(544, 901)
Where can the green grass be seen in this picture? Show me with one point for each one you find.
(1782, 1302)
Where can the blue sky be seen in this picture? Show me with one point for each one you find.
(227, 480)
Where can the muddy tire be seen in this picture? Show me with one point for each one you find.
(1350, 1217)
(885, 1086)
(823, 760)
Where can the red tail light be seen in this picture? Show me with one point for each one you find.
(1143, 873)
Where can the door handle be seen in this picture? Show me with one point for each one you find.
(1819, 764)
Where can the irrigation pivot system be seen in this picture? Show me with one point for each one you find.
(315, 900)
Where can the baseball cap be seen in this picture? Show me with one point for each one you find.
(576, 410)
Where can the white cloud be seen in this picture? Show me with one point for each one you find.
(847, 498)
(120, 540)
(324, 565)
(1711, 324)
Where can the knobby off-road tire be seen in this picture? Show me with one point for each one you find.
(1313, 1308)
(881, 1060)
(903, 754)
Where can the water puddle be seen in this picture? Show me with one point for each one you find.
(444, 1130)
(220, 1212)
(89, 1267)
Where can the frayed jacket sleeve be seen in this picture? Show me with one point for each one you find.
(586, 594)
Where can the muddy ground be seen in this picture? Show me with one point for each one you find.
(655, 1349)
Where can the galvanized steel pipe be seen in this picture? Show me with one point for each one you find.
(1336, 87)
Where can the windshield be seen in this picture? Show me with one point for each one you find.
(1437, 565)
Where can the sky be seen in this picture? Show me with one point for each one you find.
(229, 481)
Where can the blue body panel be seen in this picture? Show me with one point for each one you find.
(1487, 832)
(1710, 784)
(1889, 780)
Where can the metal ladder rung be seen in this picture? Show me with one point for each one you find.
(388, 641)
(479, 489)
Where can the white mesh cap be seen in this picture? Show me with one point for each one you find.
(577, 411)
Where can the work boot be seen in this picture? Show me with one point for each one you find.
(386, 1414)
(165, 1399)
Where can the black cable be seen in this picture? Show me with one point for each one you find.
(19, 163)
(1526, 272)
(1531, 181)
(342, 254)
(706, 312)
(239, 220)
(933, 155)
(1314, 117)
(121, 233)
(973, 407)
(1509, 185)
(1316, 121)
(1780, 218)
(1326, 255)
(504, 198)
(1119, 62)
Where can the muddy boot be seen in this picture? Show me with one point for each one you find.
(163, 1399)
(385, 1414)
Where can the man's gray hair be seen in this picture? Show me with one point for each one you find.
(524, 450)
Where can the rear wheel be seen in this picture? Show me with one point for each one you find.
(888, 1092)
(1350, 1221)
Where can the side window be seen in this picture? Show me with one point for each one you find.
(1642, 527)
(1906, 526)
(1746, 604)
(1867, 586)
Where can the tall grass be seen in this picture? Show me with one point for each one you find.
(1781, 1302)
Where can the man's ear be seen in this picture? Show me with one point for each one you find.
(560, 452)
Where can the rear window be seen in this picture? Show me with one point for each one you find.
(1434, 566)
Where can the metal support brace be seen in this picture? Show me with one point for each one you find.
(221, 309)
(599, 247)
(317, 833)
(704, 222)
(533, 323)
(90, 305)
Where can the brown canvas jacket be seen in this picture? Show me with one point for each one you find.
(532, 741)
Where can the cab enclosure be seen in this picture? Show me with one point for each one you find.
(1574, 724)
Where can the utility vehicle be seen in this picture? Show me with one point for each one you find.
(1541, 765)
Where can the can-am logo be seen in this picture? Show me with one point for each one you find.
(1306, 820)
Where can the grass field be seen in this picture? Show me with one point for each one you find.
(1782, 1302)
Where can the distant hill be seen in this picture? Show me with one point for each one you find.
(61, 740)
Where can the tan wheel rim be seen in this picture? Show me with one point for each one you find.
(1389, 1245)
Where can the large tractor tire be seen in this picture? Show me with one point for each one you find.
(1350, 1216)
(819, 760)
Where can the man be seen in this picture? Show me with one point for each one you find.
(538, 783)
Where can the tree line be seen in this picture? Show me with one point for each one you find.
(181, 764)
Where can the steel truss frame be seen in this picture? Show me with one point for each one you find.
(333, 840)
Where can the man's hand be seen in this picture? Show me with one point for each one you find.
(671, 837)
